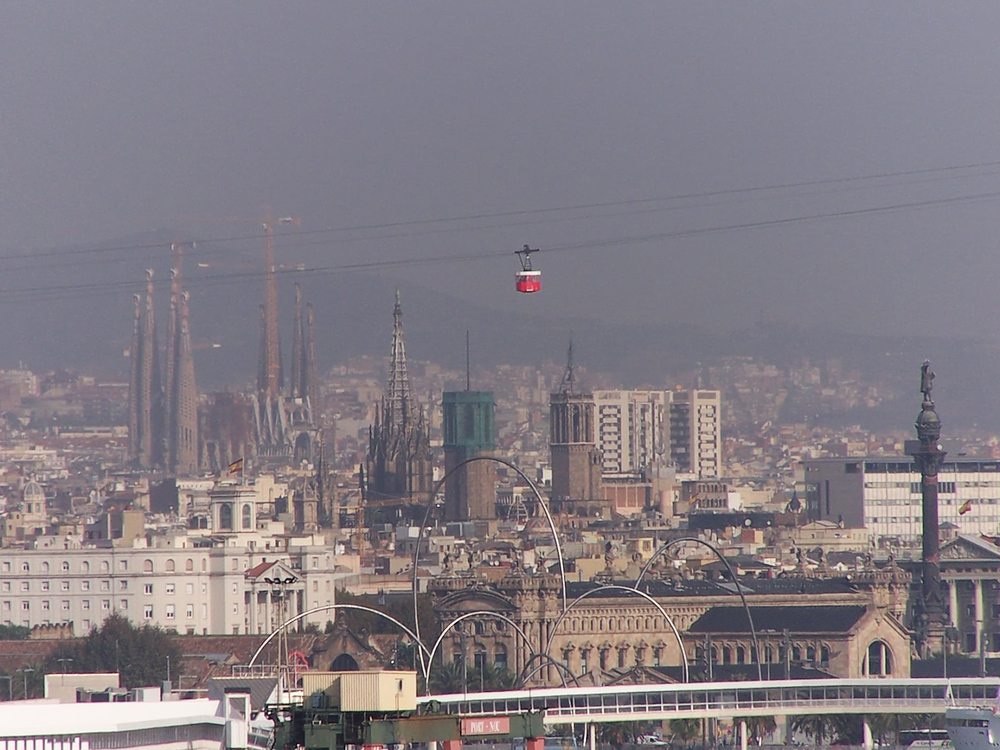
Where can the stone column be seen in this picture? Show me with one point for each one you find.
(953, 586)
(743, 734)
(978, 602)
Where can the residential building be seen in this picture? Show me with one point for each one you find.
(695, 432)
(213, 581)
(631, 431)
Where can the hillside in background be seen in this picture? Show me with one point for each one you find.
(89, 328)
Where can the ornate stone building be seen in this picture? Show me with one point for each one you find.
(970, 571)
(613, 631)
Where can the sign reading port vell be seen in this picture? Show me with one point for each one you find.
(486, 725)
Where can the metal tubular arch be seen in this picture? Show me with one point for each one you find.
(461, 618)
(326, 607)
(427, 514)
(525, 675)
(732, 575)
(630, 590)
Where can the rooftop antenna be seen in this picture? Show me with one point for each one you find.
(569, 377)
(468, 366)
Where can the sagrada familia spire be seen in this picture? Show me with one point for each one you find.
(163, 423)
(182, 393)
(284, 423)
(399, 451)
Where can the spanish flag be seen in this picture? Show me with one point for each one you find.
(965, 508)
(236, 467)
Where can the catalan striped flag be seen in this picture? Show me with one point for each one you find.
(236, 467)
(965, 508)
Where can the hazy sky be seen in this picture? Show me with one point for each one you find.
(120, 117)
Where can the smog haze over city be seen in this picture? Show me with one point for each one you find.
(690, 172)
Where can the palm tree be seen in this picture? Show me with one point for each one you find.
(616, 733)
(758, 727)
(447, 678)
(848, 729)
(886, 726)
(685, 730)
(814, 726)
(491, 677)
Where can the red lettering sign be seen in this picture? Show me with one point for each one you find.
(486, 725)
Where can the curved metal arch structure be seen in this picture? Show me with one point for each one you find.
(629, 590)
(327, 607)
(525, 675)
(732, 574)
(432, 503)
(462, 618)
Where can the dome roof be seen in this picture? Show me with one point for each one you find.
(33, 492)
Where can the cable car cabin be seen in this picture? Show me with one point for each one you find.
(528, 281)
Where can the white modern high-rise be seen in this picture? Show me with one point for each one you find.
(630, 427)
(640, 429)
(695, 434)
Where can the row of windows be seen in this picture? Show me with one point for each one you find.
(979, 519)
(916, 501)
(105, 567)
(170, 611)
(906, 467)
(46, 605)
(25, 586)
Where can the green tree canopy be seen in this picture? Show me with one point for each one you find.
(139, 655)
(14, 633)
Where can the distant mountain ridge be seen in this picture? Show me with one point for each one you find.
(90, 331)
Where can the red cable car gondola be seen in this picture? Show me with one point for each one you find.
(527, 280)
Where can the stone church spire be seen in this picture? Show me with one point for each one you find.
(397, 392)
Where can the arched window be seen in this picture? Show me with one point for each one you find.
(810, 654)
(344, 663)
(741, 655)
(45, 567)
(824, 656)
(226, 516)
(105, 566)
(204, 564)
(85, 566)
(147, 566)
(170, 566)
(878, 660)
(65, 566)
(25, 568)
(189, 565)
(247, 517)
(727, 655)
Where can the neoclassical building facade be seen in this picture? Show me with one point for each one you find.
(613, 630)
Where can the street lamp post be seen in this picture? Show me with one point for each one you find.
(25, 672)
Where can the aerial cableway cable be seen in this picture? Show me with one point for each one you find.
(196, 282)
(944, 173)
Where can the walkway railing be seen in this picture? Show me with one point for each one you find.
(725, 699)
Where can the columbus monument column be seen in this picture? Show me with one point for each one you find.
(929, 621)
